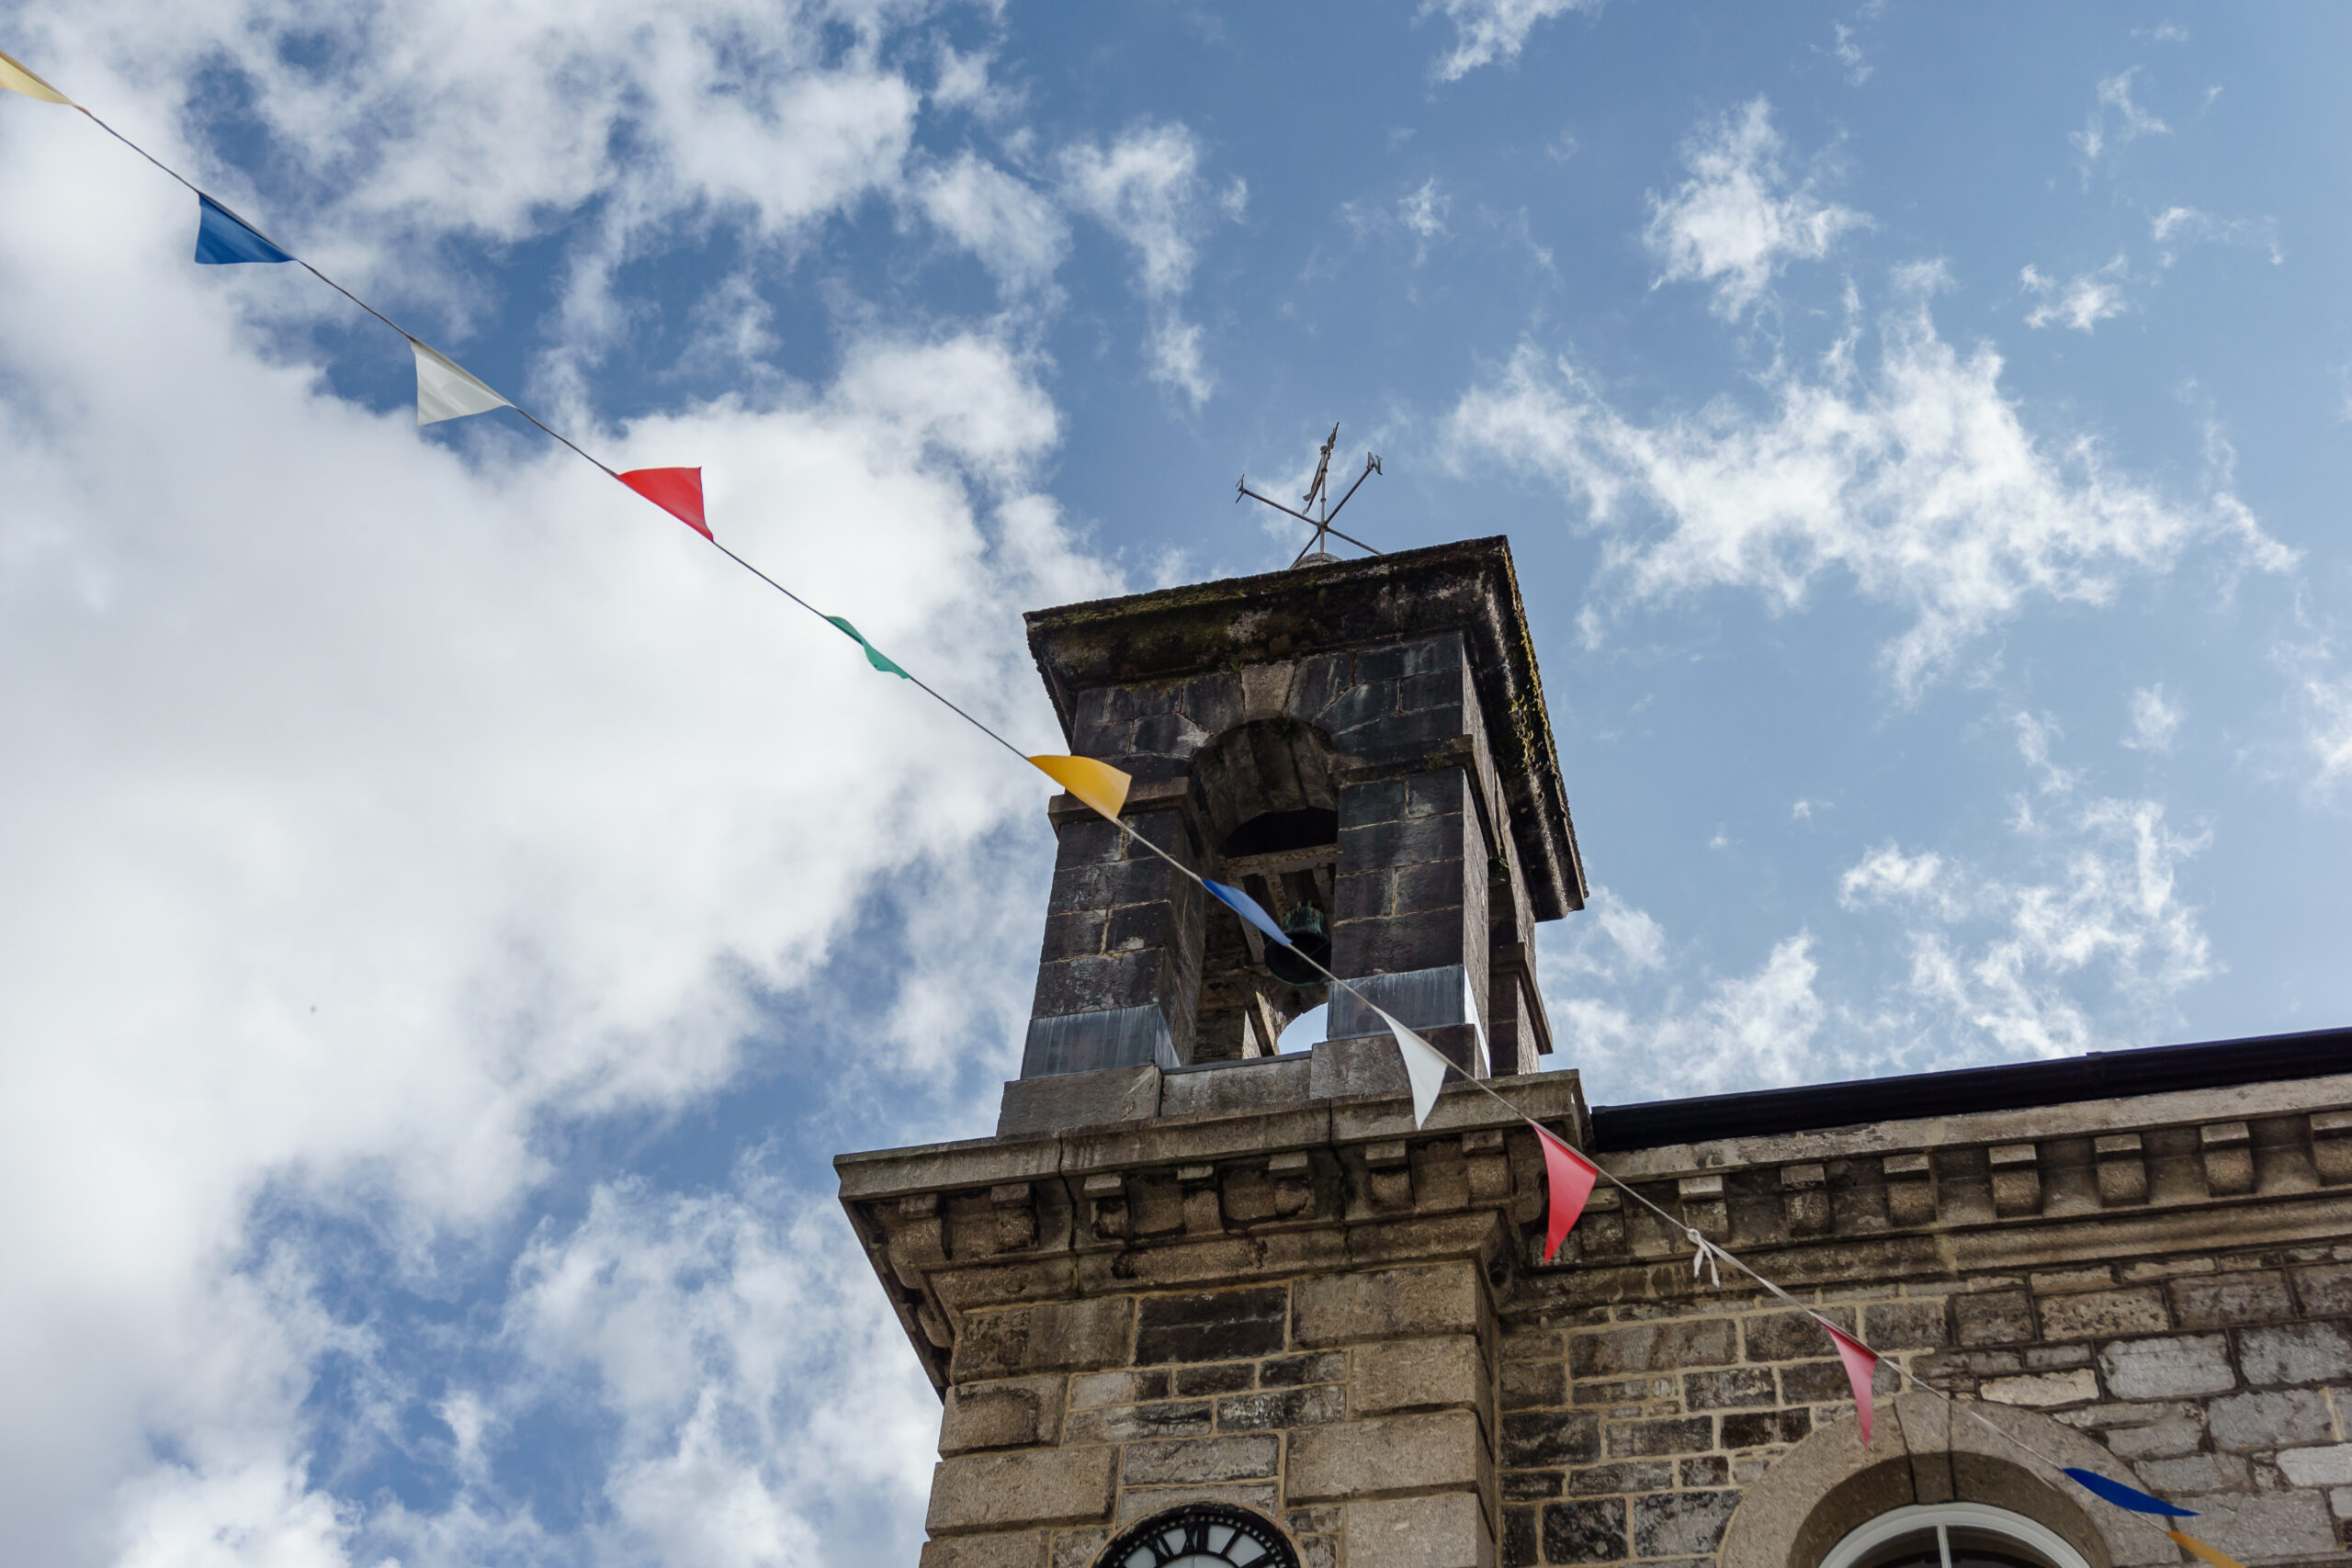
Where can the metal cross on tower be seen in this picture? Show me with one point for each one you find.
(1319, 491)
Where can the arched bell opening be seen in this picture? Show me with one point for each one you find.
(1266, 792)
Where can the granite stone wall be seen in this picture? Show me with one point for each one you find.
(2223, 1380)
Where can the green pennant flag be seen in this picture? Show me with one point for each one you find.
(874, 656)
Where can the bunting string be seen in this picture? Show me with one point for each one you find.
(445, 391)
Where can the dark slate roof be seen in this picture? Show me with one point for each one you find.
(2101, 1075)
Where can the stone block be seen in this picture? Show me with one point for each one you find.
(1652, 1347)
(2290, 1417)
(1731, 1389)
(1543, 1439)
(2223, 1301)
(1142, 1501)
(1903, 1326)
(1046, 1336)
(2043, 1389)
(1269, 1409)
(1789, 1336)
(1637, 1475)
(1214, 1325)
(1291, 1371)
(1680, 1524)
(2179, 1366)
(1224, 1377)
(1520, 1548)
(1388, 1304)
(2295, 1353)
(1394, 1454)
(2264, 1525)
(1531, 1385)
(2326, 1292)
(1675, 1434)
(1448, 1531)
(1199, 1461)
(1017, 1549)
(1408, 1374)
(1824, 1382)
(2329, 1466)
(1992, 1318)
(1520, 1486)
(996, 1491)
(1126, 1422)
(1013, 1414)
(1591, 1531)
(2229, 1158)
(2168, 1437)
(2196, 1473)
(1078, 1549)
(1712, 1470)
(1762, 1429)
(1089, 1390)
(2105, 1314)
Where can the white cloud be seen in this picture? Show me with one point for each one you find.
(2328, 729)
(2084, 941)
(1848, 55)
(1635, 943)
(1015, 230)
(1423, 212)
(2186, 223)
(1887, 873)
(1487, 30)
(2115, 122)
(1420, 216)
(2006, 961)
(2081, 302)
(1917, 477)
(2155, 720)
(1737, 221)
(1752, 1031)
(1147, 189)
(396, 804)
(2035, 734)
(736, 1342)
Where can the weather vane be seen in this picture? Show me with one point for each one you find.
(1319, 491)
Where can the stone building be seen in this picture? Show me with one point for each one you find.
(1199, 1302)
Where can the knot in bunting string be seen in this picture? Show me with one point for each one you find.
(1706, 1256)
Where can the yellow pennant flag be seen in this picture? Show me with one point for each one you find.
(2218, 1558)
(1098, 784)
(17, 79)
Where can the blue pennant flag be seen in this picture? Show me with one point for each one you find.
(222, 237)
(1241, 904)
(2124, 1496)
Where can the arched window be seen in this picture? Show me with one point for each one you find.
(1952, 1535)
(1201, 1535)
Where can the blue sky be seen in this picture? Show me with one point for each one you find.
(453, 917)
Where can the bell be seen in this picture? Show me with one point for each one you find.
(1304, 926)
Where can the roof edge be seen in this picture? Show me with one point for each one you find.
(2014, 1086)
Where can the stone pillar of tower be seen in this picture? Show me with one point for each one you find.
(1195, 1283)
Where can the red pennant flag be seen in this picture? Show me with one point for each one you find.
(677, 491)
(1862, 1366)
(1570, 1177)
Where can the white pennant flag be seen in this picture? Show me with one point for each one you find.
(1423, 1066)
(445, 389)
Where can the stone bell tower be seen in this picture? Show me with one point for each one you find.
(1201, 1302)
(1199, 1295)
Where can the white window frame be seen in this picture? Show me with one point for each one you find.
(1945, 1517)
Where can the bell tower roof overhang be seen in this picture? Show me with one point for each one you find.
(1172, 634)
